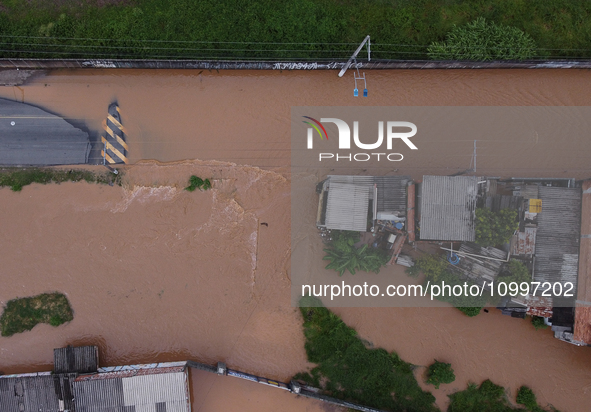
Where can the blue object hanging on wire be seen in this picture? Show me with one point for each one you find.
(453, 258)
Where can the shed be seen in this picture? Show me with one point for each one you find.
(83, 359)
(350, 202)
(448, 205)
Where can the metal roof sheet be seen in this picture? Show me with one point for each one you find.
(166, 391)
(349, 196)
(391, 190)
(347, 207)
(28, 394)
(558, 235)
(82, 359)
(447, 207)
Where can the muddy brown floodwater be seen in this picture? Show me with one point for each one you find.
(156, 273)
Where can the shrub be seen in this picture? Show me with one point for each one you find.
(439, 373)
(431, 265)
(526, 397)
(538, 322)
(482, 40)
(486, 398)
(196, 182)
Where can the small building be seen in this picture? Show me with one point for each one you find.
(356, 202)
(78, 384)
(447, 208)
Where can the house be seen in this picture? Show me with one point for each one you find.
(356, 202)
(78, 384)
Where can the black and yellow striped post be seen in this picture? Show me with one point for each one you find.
(115, 147)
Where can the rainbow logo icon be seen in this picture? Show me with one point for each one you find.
(310, 132)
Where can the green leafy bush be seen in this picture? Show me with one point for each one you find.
(486, 398)
(482, 40)
(436, 273)
(431, 265)
(343, 255)
(439, 373)
(198, 183)
(538, 322)
(494, 229)
(348, 370)
(526, 397)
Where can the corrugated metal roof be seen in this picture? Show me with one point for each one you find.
(447, 207)
(135, 393)
(479, 270)
(348, 199)
(391, 190)
(148, 390)
(557, 237)
(28, 394)
(347, 207)
(83, 359)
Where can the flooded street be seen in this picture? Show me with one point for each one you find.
(156, 273)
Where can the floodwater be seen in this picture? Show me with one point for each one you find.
(155, 273)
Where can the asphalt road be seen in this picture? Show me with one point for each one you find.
(30, 136)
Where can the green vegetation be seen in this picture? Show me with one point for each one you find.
(482, 40)
(518, 274)
(23, 314)
(16, 178)
(526, 397)
(436, 272)
(343, 255)
(492, 398)
(486, 398)
(538, 322)
(350, 371)
(198, 183)
(494, 229)
(439, 373)
(277, 29)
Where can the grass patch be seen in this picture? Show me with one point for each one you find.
(188, 29)
(17, 178)
(348, 370)
(23, 314)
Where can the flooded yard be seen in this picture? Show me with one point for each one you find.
(156, 273)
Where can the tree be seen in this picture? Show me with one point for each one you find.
(482, 40)
(439, 373)
(494, 229)
(343, 254)
(518, 273)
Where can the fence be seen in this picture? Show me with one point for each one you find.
(293, 386)
(285, 65)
